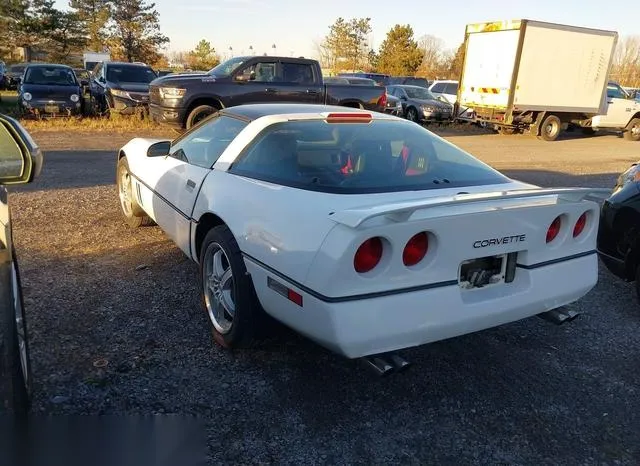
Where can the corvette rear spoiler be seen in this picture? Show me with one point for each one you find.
(402, 211)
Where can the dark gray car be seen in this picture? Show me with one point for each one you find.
(20, 162)
(420, 106)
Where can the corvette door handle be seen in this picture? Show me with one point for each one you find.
(270, 89)
(191, 184)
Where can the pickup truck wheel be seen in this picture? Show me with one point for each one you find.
(199, 113)
(228, 295)
(131, 210)
(633, 130)
(550, 128)
(412, 114)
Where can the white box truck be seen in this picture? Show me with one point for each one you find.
(531, 76)
(91, 59)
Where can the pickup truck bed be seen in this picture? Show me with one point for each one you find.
(183, 100)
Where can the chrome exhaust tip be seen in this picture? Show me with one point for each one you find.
(400, 363)
(378, 364)
(559, 316)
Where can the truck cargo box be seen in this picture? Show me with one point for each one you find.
(524, 65)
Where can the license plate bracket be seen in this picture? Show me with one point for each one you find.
(51, 109)
(483, 271)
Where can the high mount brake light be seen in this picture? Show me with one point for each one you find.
(580, 224)
(554, 229)
(368, 255)
(415, 249)
(348, 117)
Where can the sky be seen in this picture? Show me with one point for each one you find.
(294, 27)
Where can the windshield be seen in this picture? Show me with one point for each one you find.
(358, 158)
(130, 74)
(419, 93)
(417, 82)
(52, 76)
(227, 67)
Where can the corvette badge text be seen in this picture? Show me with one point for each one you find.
(497, 241)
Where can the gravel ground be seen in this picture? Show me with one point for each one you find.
(116, 329)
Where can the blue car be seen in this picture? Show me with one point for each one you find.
(50, 90)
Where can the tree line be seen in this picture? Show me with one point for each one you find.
(347, 47)
(128, 29)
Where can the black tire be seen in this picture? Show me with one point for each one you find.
(15, 373)
(412, 115)
(133, 213)
(551, 128)
(248, 316)
(632, 132)
(198, 114)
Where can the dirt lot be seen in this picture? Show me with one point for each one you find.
(116, 329)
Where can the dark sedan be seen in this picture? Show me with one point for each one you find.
(420, 106)
(50, 90)
(14, 75)
(619, 230)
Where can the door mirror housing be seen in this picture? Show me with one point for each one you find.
(20, 157)
(159, 149)
(102, 80)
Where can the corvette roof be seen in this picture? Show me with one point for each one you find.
(254, 111)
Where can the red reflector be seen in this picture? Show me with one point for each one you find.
(554, 229)
(580, 224)
(368, 255)
(294, 297)
(416, 249)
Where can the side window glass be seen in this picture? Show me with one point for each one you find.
(438, 88)
(613, 92)
(299, 73)
(205, 145)
(261, 72)
(451, 88)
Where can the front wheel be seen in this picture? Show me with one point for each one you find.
(228, 296)
(551, 127)
(199, 113)
(633, 130)
(412, 114)
(132, 211)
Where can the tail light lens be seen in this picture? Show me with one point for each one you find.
(368, 255)
(554, 229)
(382, 101)
(416, 249)
(580, 224)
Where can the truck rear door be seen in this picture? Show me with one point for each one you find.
(299, 82)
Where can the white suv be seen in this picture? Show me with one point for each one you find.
(448, 90)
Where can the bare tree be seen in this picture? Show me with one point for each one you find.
(626, 62)
(433, 56)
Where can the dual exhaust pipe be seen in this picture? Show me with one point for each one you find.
(384, 364)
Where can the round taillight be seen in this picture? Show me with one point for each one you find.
(580, 224)
(416, 249)
(554, 229)
(368, 255)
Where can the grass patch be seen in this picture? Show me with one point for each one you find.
(113, 123)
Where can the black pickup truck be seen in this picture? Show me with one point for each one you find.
(183, 100)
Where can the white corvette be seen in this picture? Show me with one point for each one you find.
(365, 232)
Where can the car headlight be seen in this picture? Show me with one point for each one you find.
(27, 96)
(119, 93)
(428, 109)
(171, 92)
(74, 97)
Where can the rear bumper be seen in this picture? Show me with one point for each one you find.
(376, 325)
(167, 116)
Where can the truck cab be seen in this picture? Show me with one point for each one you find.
(623, 113)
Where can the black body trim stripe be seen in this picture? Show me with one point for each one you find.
(358, 297)
(557, 261)
(156, 193)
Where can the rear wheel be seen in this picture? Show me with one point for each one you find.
(633, 130)
(550, 128)
(131, 210)
(228, 296)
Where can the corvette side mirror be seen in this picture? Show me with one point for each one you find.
(20, 157)
(159, 149)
